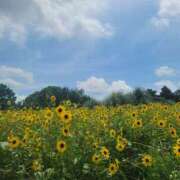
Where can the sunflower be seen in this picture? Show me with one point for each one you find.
(96, 159)
(25, 139)
(178, 141)
(178, 116)
(112, 133)
(137, 123)
(173, 132)
(36, 165)
(53, 99)
(120, 146)
(13, 142)
(112, 169)
(176, 150)
(95, 145)
(48, 114)
(105, 152)
(61, 146)
(161, 123)
(134, 114)
(66, 117)
(170, 125)
(65, 131)
(60, 109)
(120, 139)
(147, 160)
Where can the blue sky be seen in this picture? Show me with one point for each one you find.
(101, 47)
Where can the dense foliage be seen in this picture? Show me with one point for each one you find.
(124, 142)
(7, 97)
(42, 98)
(142, 96)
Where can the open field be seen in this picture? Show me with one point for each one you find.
(68, 143)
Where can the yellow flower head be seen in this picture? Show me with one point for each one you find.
(112, 169)
(61, 146)
(161, 123)
(48, 114)
(105, 152)
(96, 159)
(66, 117)
(65, 131)
(134, 114)
(13, 142)
(120, 146)
(147, 160)
(36, 165)
(60, 109)
(176, 150)
(137, 123)
(172, 132)
(53, 98)
(112, 133)
(178, 141)
(95, 145)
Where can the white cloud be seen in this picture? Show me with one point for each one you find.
(170, 84)
(165, 71)
(169, 11)
(99, 88)
(55, 18)
(16, 78)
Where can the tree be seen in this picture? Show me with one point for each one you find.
(7, 97)
(118, 99)
(166, 93)
(141, 96)
(42, 98)
(152, 93)
(177, 95)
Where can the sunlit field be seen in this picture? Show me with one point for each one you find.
(69, 143)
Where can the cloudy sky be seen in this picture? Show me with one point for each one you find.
(101, 46)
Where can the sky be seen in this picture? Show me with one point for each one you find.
(101, 46)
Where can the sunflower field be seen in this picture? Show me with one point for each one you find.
(69, 143)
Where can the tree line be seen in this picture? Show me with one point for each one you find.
(42, 98)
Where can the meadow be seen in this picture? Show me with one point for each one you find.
(69, 143)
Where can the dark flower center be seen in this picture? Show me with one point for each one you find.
(14, 141)
(62, 145)
(59, 110)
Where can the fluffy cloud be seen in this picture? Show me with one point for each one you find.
(55, 18)
(169, 11)
(16, 78)
(165, 71)
(170, 84)
(99, 88)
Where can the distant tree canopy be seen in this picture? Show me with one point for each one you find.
(143, 96)
(7, 97)
(42, 98)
